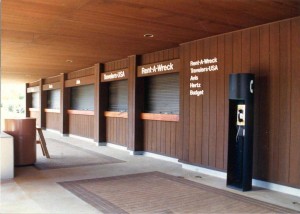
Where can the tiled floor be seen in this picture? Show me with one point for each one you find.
(38, 191)
(65, 155)
(156, 192)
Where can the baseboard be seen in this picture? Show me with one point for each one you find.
(52, 130)
(123, 148)
(276, 187)
(255, 182)
(206, 171)
(136, 152)
(82, 138)
(161, 157)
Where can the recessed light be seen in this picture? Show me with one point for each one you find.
(69, 61)
(148, 35)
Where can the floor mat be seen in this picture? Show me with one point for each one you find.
(64, 155)
(156, 192)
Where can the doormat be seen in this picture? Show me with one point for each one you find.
(156, 192)
(64, 155)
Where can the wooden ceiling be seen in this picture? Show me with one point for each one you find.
(38, 37)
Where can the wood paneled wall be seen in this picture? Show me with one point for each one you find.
(81, 125)
(272, 53)
(52, 79)
(116, 128)
(162, 137)
(53, 121)
(116, 65)
(81, 73)
(159, 136)
(135, 103)
(117, 131)
(160, 56)
(35, 83)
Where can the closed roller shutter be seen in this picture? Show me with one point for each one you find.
(162, 94)
(82, 97)
(35, 100)
(118, 95)
(53, 99)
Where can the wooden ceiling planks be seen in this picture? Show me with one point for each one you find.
(39, 36)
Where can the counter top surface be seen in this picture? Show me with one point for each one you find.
(5, 135)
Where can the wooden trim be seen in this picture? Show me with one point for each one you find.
(33, 84)
(34, 109)
(173, 67)
(120, 74)
(87, 80)
(33, 89)
(51, 86)
(100, 102)
(80, 73)
(64, 104)
(81, 112)
(52, 79)
(52, 110)
(136, 104)
(43, 104)
(116, 114)
(160, 117)
(28, 101)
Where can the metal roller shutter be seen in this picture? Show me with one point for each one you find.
(162, 94)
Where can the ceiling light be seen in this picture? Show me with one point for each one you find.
(148, 35)
(69, 61)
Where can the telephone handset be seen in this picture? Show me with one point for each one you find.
(240, 121)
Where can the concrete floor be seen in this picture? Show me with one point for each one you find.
(37, 191)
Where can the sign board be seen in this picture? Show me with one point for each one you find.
(166, 67)
(51, 86)
(114, 75)
(198, 67)
(33, 89)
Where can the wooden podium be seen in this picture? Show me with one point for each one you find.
(24, 133)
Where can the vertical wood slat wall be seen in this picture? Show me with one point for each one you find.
(117, 131)
(80, 124)
(135, 104)
(161, 137)
(272, 53)
(116, 127)
(32, 111)
(53, 121)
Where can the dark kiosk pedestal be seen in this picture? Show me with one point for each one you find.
(240, 132)
(24, 133)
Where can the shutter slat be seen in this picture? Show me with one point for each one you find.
(82, 97)
(162, 94)
(118, 95)
(53, 99)
(35, 100)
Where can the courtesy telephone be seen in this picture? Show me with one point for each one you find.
(240, 121)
